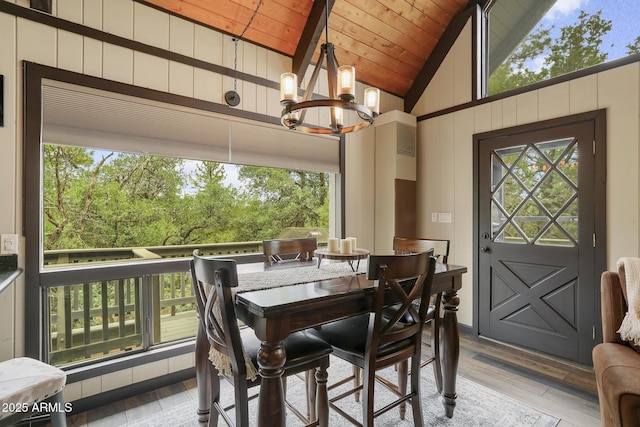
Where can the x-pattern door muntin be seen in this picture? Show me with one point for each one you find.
(534, 193)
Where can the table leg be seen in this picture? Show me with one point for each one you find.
(271, 408)
(202, 375)
(450, 350)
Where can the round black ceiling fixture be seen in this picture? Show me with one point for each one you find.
(232, 98)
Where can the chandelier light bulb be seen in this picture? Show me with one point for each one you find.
(346, 82)
(372, 99)
(289, 87)
(337, 113)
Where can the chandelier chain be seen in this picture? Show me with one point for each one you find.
(235, 45)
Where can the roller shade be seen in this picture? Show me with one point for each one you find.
(85, 117)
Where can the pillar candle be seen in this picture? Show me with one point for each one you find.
(345, 246)
(354, 246)
(334, 244)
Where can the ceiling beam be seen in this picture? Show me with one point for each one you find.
(311, 35)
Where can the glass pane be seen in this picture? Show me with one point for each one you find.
(93, 320)
(554, 237)
(569, 165)
(554, 192)
(497, 218)
(177, 307)
(537, 40)
(554, 149)
(513, 194)
(510, 155)
(569, 219)
(512, 235)
(531, 168)
(104, 206)
(531, 219)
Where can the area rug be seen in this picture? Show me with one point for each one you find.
(476, 405)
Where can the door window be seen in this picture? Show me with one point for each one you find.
(534, 193)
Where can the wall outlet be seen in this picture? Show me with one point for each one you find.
(8, 244)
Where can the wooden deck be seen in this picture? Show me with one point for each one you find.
(182, 325)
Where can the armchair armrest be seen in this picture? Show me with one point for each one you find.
(613, 305)
(617, 370)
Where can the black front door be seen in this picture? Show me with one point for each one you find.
(537, 284)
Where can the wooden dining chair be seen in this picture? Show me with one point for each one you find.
(372, 341)
(282, 250)
(410, 245)
(236, 350)
(440, 248)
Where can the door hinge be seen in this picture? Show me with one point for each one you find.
(593, 333)
(594, 240)
(594, 147)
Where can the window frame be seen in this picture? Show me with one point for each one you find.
(482, 75)
(37, 279)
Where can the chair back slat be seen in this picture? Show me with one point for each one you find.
(301, 249)
(212, 280)
(408, 245)
(407, 280)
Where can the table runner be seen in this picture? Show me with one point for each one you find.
(277, 277)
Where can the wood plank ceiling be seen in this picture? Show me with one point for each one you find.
(388, 41)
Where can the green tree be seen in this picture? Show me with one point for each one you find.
(71, 181)
(634, 47)
(278, 198)
(140, 201)
(577, 47)
(103, 199)
(210, 208)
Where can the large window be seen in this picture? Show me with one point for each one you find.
(113, 207)
(105, 200)
(120, 192)
(535, 40)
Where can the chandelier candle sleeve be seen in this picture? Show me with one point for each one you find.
(372, 99)
(338, 115)
(346, 82)
(289, 87)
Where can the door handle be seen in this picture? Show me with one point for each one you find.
(484, 249)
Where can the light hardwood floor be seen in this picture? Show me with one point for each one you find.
(564, 390)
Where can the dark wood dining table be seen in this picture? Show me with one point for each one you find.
(276, 312)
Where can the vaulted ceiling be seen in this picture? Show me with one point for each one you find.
(388, 41)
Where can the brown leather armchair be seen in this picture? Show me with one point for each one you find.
(616, 363)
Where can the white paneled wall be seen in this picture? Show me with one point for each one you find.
(9, 176)
(451, 84)
(445, 160)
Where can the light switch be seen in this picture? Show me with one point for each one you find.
(8, 244)
(444, 217)
(434, 216)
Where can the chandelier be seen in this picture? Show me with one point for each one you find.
(342, 86)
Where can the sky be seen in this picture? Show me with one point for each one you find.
(624, 14)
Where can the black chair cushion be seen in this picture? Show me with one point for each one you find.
(349, 337)
(390, 311)
(301, 348)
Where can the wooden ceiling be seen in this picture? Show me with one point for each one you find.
(388, 41)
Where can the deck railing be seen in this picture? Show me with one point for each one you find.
(125, 299)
